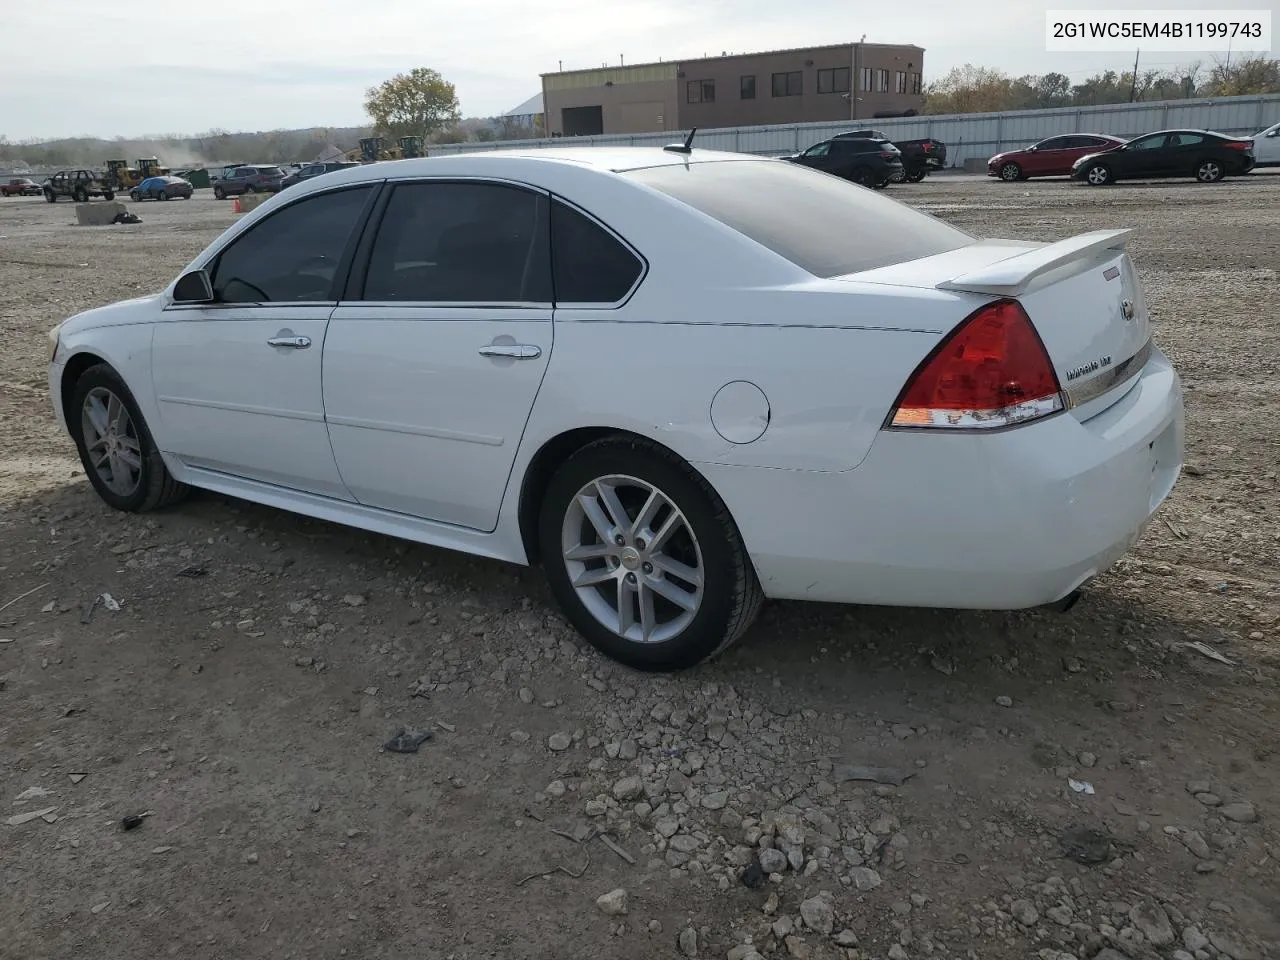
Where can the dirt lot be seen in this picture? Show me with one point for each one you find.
(241, 693)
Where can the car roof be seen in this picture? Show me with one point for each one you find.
(605, 159)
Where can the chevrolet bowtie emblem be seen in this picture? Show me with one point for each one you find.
(1126, 309)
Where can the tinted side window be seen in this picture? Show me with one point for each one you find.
(1154, 142)
(1185, 140)
(293, 254)
(1056, 143)
(461, 243)
(590, 264)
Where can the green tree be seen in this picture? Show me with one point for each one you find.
(1246, 75)
(417, 103)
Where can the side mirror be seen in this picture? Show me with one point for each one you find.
(193, 287)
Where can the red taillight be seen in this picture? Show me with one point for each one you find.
(991, 371)
(1239, 144)
(888, 154)
(928, 148)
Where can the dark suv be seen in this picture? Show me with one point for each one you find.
(248, 179)
(315, 169)
(872, 163)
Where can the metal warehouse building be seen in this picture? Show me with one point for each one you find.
(848, 81)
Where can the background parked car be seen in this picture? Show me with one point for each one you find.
(919, 157)
(249, 179)
(79, 185)
(161, 188)
(1266, 147)
(311, 170)
(1202, 154)
(1053, 157)
(871, 163)
(20, 187)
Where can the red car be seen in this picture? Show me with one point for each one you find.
(20, 187)
(1053, 157)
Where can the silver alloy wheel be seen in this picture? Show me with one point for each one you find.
(638, 571)
(111, 441)
(1209, 172)
(1009, 171)
(1098, 175)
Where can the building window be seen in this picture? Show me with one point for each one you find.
(701, 91)
(915, 83)
(747, 88)
(835, 80)
(865, 83)
(900, 82)
(882, 81)
(788, 84)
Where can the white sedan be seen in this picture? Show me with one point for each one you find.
(682, 381)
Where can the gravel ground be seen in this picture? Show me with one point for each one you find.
(240, 694)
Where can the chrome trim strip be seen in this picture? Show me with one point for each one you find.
(254, 409)
(414, 430)
(1122, 372)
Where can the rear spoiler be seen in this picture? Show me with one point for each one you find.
(1011, 277)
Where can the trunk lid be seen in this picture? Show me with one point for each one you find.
(1082, 294)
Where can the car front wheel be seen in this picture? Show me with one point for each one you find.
(1010, 172)
(643, 557)
(1209, 171)
(1098, 175)
(218, 194)
(115, 446)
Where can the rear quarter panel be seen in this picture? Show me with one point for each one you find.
(828, 388)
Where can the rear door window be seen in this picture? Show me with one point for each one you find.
(823, 224)
(461, 242)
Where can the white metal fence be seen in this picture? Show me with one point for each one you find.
(966, 136)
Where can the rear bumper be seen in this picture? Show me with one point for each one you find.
(1010, 520)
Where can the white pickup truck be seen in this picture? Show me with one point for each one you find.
(1266, 147)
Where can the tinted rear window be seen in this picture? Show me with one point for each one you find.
(821, 223)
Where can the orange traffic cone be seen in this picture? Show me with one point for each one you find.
(235, 205)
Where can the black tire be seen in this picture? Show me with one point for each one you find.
(155, 485)
(1098, 175)
(1010, 172)
(915, 176)
(162, 195)
(134, 196)
(863, 177)
(81, 195)
(1210, 171)
(108, 195)
(250, 189)
(50, 197)
(218, 194)
(731, 596)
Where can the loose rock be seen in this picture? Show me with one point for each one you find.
(819, 913)
(773, 861)
(864, 878)
(613, 903)
(1149, 917)
(687, 942)
(1240, 811)
(559, 742)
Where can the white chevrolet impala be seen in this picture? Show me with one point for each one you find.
(681, 381)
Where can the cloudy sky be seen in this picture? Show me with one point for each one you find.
(77, 67)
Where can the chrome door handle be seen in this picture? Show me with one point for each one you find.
(298, 343)
(517, 351)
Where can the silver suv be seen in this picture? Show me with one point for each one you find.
(248, 179)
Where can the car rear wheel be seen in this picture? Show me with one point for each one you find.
(643, 557)
(1098, 175)
(135, 196)
(50, 196)
(864, 178)
(108, 195)
(1209, 171)
(115, 446)
(1010, 172)
(162, 195)
(915, 176)
(81, 195)
(250, 189)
